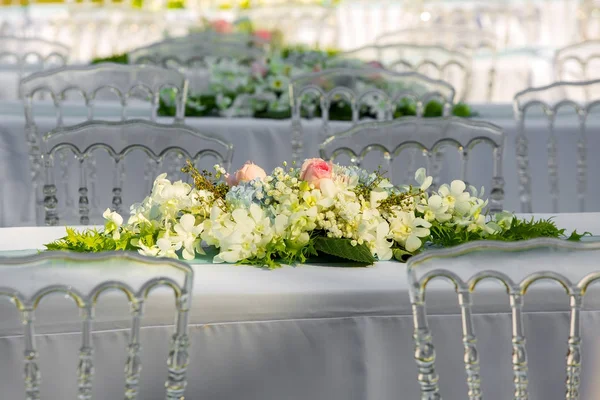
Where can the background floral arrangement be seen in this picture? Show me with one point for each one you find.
(260, 90)
(320, 210)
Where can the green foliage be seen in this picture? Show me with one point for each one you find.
(444, 236)
(402, 255)
(205, 105)
(117, 59)
(343, 248)
(88, 241)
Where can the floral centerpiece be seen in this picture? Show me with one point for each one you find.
(296, 214)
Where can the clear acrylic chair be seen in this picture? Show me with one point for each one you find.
(458, 38)
(87, 279)
(124, 82)
(509, 264)
(579, 96)
(435, 62)
(165, 147)
(513, 25)
(468, 40)
(378, 89)
(577, 62)
(389, 139)
(28, 55)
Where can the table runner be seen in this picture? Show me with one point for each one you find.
(316, 332)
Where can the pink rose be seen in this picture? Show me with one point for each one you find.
(264, 35)
(222, 26)
(315, 169)
(248, 172)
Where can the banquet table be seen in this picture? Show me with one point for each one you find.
(310, 331)
(267, 142)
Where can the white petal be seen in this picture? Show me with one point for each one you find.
(256, 212)
(187, 254)
(163, 244)
(421, 232)
(187, 222)
(420, 175)
(421, 222)
(328, 188)
(427, 183)
(457, 187)
(435, 202)
(412, 243)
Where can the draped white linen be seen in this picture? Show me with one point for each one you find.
(316, 332)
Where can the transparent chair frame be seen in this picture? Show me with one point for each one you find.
(398, 57)
(422, 270)
(533, 97)
(427, 135)
(59, 264)
(82, 140)
(312, 84)
(59, 82)
(23, 50)
(466, 40)
(582, 53)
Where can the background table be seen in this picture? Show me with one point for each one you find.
(310, 332)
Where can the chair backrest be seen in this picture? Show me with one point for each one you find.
(436, 62)
(517, 266)
(194, 50)
(125, 81)
(118, 139)
(582, 97)
(22, 56)
(427, 135)
(21, 51)
(514, 25)
(85, 279)
(378, 89)
(579, 61)
(457, 38)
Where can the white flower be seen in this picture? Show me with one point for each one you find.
(455, 197)
(383, 247)
(504, 219)
(113, 223)
(407, 230)
(188, 233)
(164, 247)
(278, 83)
(167, 248)
(434, 209)
(422, 179)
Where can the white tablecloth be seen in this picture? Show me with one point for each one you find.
(310, 332)
(267, 142)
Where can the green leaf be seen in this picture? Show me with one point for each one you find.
(343, 248)
(402, 255)
(576, 237)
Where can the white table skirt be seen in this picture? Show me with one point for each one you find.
(267, 142)
(310, 332)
